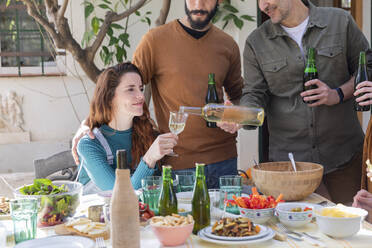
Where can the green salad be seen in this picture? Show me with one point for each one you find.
(54, 209)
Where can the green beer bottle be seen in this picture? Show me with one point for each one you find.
(200, 201)
(167, 198)
(361, 77)
(311, 72)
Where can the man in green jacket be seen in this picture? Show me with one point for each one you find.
(327, 131)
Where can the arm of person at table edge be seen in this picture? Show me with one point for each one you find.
(100, 172)
(103, 175)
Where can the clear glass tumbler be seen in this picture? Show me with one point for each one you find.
(24, 217)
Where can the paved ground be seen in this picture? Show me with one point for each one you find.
(14, 180)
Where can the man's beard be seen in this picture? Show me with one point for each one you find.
(199, 25)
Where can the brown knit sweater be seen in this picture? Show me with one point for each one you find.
(177, 65)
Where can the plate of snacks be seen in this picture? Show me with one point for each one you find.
(4, 208)
(230, 231)
(235, 229)
(172, 230)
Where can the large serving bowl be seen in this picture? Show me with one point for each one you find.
(294, 219)
(257, 216)
(54, 209)
(273, 178)
(172, 235)
(341, 227)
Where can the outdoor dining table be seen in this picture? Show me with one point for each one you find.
(362, 239)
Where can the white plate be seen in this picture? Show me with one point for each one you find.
(58, 242)
(269, 236)
(208, 232)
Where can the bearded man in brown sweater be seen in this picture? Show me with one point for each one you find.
(177, 58)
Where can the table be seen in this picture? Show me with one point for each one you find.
(363, 239)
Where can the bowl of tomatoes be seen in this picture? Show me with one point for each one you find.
(256, 207)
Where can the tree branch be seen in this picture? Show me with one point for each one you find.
(128, 12)
(110, 18)
(32, 11)
(163, 13)
(62, 10)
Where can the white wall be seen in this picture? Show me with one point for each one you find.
(48, 114)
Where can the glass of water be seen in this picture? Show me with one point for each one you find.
(151, 186)
(185, 180)
(229, 186)
(24, 217)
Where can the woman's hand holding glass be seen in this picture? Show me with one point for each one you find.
(177, 122)
(163, 145)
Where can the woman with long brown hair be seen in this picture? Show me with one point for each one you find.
(120, 119)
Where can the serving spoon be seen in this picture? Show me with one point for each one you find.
(290, 156)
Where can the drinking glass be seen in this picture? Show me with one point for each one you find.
(185, 180)
(177, 122)
(214, 196)
(229, 186)
(151, 187)
(24, 217)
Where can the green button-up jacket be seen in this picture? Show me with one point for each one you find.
(273, 73)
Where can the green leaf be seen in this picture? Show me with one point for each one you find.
(137, 13)
(116, 26)
(238, 22)
(119, 54)
(229, 17)
(225, 24)
(107, 1)
(148, 13)
(95, 25)
(248, 18)
(105, 49)
(230, 8)
(125, 39)
(113, 41)
(146, 20)
(89, 8)
(8, 2)
(105, 6)
(110, 31)
(88, 35)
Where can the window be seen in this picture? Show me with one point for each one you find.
(25, 48)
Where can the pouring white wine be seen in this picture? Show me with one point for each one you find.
(223, 113)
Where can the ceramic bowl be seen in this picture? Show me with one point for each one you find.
(172, 235)
(258, 216)
(294, 219)
(341, 227)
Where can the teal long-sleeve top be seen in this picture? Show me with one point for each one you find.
(93, 158)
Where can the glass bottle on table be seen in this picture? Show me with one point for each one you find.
(124, 207)
(167, 199)
(311, 72)
(214, 112)
(361, 77)
(212, 96)
(200, 202)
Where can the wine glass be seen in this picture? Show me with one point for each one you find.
(177, 122)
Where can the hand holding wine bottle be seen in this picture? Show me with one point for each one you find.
(323, 94)
(363, 93)
(229, 127)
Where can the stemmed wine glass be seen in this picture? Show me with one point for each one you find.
(177, 122)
